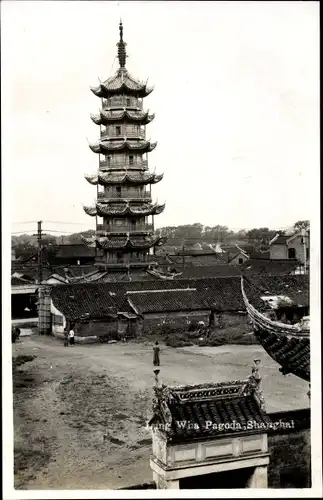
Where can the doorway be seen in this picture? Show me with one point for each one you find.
(231, 479)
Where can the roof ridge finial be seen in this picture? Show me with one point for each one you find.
(121, 47)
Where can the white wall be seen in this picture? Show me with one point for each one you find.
(57, 328)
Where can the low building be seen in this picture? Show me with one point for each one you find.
(171, 309)
(90, 311)
(68, 255)
(270, 267)
(23, 297)
(293, 247)
(113, 310)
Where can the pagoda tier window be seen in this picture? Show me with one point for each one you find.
(118, 130)
(131, 160)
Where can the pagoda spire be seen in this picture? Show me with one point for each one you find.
(121, 48)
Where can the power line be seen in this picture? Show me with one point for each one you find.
(64, 222)
(26, 222)
(236, 229)
(24, 232)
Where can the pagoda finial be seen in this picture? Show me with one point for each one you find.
(121, 48)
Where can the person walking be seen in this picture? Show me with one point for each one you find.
(156, 349)
(65, 338)
(71, 337)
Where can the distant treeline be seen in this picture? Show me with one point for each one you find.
(188, 235)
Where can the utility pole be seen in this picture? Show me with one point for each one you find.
(183, 255)
(39, 252)
(40, 267)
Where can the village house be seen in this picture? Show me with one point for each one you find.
(294, 246)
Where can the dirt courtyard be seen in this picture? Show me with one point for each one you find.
(80, 412)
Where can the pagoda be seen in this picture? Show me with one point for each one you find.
(124, 237)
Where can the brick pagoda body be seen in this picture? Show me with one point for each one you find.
(124, 209)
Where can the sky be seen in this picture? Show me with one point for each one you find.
(236, 98)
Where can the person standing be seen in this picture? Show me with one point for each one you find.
(71, 337)
(65, 338)
(156, 349)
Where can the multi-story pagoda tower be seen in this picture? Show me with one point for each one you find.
(125, 237)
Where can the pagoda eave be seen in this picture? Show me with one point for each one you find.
(137, 145)
(112, 209)
(92, 179)
(111, 178)
(107, 117)
(105, 91)
(126, 242)
(92, 211)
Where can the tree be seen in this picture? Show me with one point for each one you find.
(260, 237)
(301, 224)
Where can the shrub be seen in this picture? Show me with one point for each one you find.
(178, 340)
(193, 325)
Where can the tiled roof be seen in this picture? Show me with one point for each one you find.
(104, 209)
(122, 82)
(260, 255)
(292, 354)
(207, 271)
(132, 145)
(111, 177)
(31, 271)
(84, 301)
(223, 294)
(281, 240)
(167, 300)
(19, 281)
(129, 208)
(270, 266)
(296, 287)
(114, 115)
(74, 271)
(186, 411)
(72, 251)
(123, 242)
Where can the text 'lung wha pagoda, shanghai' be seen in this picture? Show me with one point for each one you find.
(125, 237)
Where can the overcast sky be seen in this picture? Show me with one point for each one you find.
(236, 100)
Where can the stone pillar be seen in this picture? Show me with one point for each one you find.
(259, 478)
(163, 484)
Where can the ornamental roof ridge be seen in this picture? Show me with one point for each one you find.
(210, 391)
(166, 290)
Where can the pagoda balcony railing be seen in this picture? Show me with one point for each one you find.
(128, 196)
(127, 228)
(122, 102)
(123, 164)
(124, 133)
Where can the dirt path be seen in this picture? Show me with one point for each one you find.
(80, 420)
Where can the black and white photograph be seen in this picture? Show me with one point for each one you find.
(161, 240)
